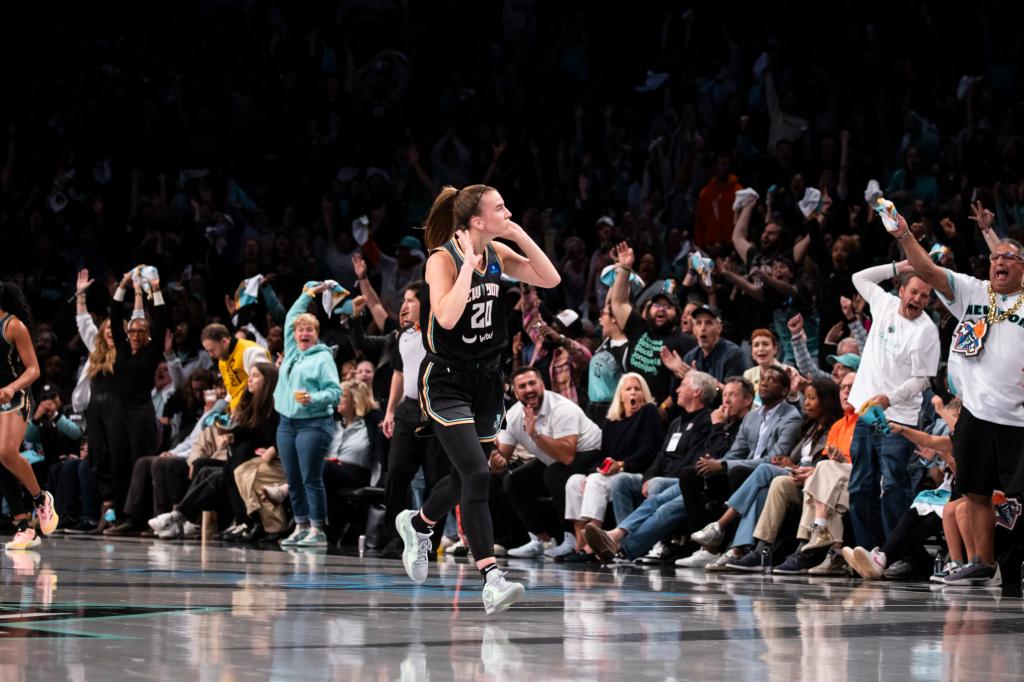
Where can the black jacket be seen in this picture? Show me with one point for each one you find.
(693, 430)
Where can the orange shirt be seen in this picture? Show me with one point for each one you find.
(841, 433)
(714, 212)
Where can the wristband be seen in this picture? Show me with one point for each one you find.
(906, 234)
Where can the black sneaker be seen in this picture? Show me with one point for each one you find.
(579, 558)
(905, 569)
(975, 573)
(757, 561)
(800, 562)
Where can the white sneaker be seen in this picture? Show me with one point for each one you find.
(416, 554)
(162, 522)
(191, 530)
(174, 532)
(499, 593)
(698, 559)
(721, 564)
(567, 547)
(656, 555)
(710, 535)
(869, 565)
(23, 539)
(499, 550)
(533, 548)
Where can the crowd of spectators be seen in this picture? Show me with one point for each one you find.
(702, 177)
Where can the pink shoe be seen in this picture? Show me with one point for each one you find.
(47, 515)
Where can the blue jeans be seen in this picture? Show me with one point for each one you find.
(878, 462)
(627, 492)
(748, 501)
(653, 520)
(302, 445)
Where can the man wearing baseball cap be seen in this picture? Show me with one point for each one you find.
(714, 355)
(657, 329)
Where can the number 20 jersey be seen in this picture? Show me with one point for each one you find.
(482, 331)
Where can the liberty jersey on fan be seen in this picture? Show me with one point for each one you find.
(482, 331)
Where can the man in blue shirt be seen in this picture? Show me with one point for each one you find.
(714, 355)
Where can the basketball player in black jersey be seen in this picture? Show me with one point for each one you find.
(19, 368)
(464, 327)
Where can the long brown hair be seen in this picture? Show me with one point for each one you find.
(256, 408)
(451, 211)
(102, 357)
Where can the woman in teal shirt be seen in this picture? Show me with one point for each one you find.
(307, 393)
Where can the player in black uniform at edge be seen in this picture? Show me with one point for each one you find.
(18, 370)
(463, 322)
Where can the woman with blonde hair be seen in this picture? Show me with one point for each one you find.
(357, 449)
(630, 440)
(91, 397)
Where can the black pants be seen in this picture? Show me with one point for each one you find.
(101, 417)
(136, 426)
(139, 502)
(535, 480)
(508, 528)
(170, 481)
(337, 477)
(406, 454)
(206, 491)
(906, 541)
(702, 496)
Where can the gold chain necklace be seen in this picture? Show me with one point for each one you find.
(992, 317)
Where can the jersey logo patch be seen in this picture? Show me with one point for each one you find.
(1007, 510)
(968, 338)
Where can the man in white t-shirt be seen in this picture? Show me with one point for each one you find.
(563, 442)
(900, 355)
(986, 362)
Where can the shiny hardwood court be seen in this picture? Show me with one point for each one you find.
(88, 609)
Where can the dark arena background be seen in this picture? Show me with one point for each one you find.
(785, 242)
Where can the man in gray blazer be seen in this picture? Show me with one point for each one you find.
(770, 431)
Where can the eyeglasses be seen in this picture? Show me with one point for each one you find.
(846, 388)
(138, 331)
(995, 257)
(659, 306)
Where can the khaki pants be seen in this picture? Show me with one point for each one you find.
(250, 477)
(782, 495)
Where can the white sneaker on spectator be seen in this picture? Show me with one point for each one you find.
(656, 555)
(710, 535)
(191, 530)
(567, 547)
(698, 559)
(162, 522)
(533, 548)
(416, 554)
(174, 532)
(869, 565)
(722, 563)
(499, 593)
(499, 550)
(447, 543)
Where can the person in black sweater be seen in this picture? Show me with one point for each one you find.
(253, 434)
(630, 440)
(137, 359)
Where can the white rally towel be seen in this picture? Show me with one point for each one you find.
(872, 192)
(811, 203)
(333, 296)
(887, 210)
(145, 275)
(248, 291)
(744, 196)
